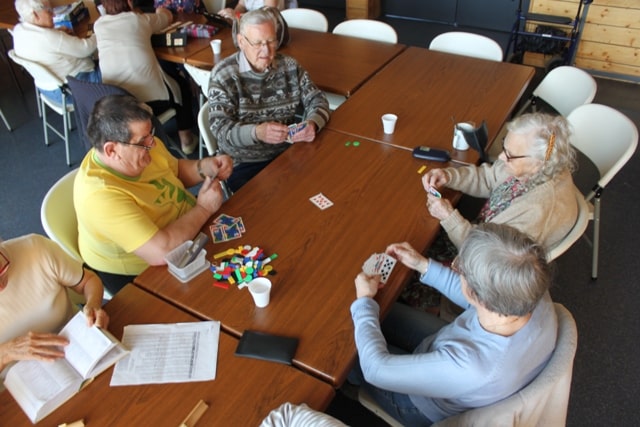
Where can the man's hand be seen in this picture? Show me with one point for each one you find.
(217, 166)
(210, 196)
(367, 286)
(307, 134)
(33, 346)
(408, 256)
(272, 132)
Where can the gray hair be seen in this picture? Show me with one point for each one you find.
(506, 271)
(110, 119)
(25, 8)
(257, 17)
(550, 142)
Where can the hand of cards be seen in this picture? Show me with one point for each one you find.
(226, 227)
(381, 264)
(293, 129)
(434, 192)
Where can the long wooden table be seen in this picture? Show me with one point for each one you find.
(243, 392)
(378, 199)
(425, 89)
(335, 63)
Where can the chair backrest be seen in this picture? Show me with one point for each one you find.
(467, 44)
(566, 88)
(541, 403)
(578, 229)
(200, 76)
(205, 131)
(605, 135)
(85, 95)
(367, 29)
(58, 215)
(307, 19)
(42, 76)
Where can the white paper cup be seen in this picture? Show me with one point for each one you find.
(459, 142)
(216, 46)
(389, 123)
(260, 289)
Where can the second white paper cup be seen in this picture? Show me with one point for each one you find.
(216, 46)
(459, 142)
(260, 289)
(389, 123)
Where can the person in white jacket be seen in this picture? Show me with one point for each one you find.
(61, 52)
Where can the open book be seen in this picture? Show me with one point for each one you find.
(41, 387)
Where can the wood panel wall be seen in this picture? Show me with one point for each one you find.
(610, 41)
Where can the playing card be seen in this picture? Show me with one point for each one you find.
(295, 128)
(217, 234)
(224, 219)
(381, 264)
(434, 192)
(321, 201)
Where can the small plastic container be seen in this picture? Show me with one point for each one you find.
(191, 270)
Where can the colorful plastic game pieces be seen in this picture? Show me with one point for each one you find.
(238, 266)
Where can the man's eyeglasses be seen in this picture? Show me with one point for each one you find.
(509, 156)
(147, 142)
(4, 264)
(264, 43)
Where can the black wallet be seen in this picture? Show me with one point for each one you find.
(259, 345)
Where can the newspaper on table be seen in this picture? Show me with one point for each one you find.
(168, 353)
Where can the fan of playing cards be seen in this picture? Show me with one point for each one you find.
(381, 264)
(226, 227)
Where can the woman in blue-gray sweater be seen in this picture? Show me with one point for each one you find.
(429, 370)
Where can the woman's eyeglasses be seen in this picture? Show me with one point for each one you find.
(144, 142)
(509, 156)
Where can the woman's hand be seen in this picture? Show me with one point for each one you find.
(367, 286)
(439, 208)
(96, 316)
(408, 256)
(435, 178)
(33, 346)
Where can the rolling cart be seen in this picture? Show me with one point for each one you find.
(548, 34)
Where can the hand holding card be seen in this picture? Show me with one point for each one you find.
(381, 264)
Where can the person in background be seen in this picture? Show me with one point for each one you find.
(244, 6)
(420, 369)
(180, 6)
(255, 94)
(35, 275)
(127, 60)
(64, 54)
(130, 193)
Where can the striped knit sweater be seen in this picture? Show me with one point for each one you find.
(238, 101)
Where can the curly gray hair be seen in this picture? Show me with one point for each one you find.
(550, 142)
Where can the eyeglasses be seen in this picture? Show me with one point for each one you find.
(455, 266)
(4, 264)
(143, 143)
(509, 156)
(264, 43)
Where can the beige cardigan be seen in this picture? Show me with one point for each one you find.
(546, 213)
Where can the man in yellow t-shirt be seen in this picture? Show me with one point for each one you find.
(130, 193)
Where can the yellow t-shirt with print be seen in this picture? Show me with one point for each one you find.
(118, 214)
